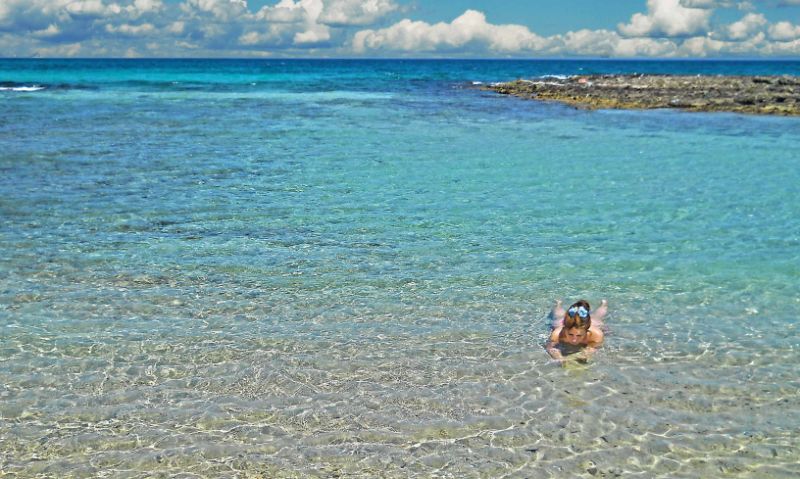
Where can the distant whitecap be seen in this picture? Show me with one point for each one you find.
(23, 88)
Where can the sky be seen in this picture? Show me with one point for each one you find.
(400, 28)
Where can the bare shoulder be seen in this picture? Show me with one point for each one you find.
(596, 336)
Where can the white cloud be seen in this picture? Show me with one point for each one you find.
(645, 47)
(471, 32)
(328, 12)
(51, 31)
(91, 8)
(286, 11)
(54, 21)
(68, 19)
(177, 28)
(224, 10)
(470, 28)
(668, 28)
(251, 38)
(141, 7)
(148, 5)
(131, 30)
(355, 12)
(747, 27)
(610, 44)
(288, 23)
(782, 48)
(187, 45)
(708, 4)
(66, 50)
(667, 18)
(710, 47)
(784, 32)
(30, 14)
(213, 24)
(701, 47)
(313, 35)
(700, 3)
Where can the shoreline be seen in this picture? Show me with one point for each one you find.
(762, 95)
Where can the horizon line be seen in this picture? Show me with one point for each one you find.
(588, 58)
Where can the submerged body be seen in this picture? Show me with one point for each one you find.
(576, 334)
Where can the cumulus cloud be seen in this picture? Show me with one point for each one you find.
(782, 48)
(610, 44)
(131, 30)
(667, 18)
(471, 28)
(64, 21)
(91, 8)
(667, 28)
(710, 47)
(70, 20)
(701, 47)
(27, 14)
(224, 10)
(356, 12)
(473, 31)
(672, 32)
(747, 27)
(287, 11)
(176, 28)
(708, 4)
(315, 34)
(141, 7)
(700, 3)
(784, 32)
(215, 23)
(288, 23)
(65, 50)
(51, 31)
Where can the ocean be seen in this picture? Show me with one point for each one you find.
(344, 268)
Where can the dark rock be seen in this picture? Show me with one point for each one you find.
(744, 94)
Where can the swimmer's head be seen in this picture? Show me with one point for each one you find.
(576, 324)
(578, 316)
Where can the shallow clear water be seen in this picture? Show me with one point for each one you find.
(319, 269)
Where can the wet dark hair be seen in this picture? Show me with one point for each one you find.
(575, 320)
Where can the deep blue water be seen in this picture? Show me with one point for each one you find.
(325, 75)
(277, 267)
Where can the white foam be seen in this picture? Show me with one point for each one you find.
(22, 88)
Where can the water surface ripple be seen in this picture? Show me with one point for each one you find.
(343, 269)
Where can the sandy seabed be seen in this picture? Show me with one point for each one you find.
(442, 405)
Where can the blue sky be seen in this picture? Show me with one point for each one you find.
(401, 28)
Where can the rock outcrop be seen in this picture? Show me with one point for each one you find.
(766, 95)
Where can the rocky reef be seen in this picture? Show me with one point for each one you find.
(765, 95)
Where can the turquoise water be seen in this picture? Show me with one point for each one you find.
(344, 268)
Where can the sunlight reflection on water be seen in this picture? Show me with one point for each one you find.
(321, 289)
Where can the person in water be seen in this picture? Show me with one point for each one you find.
(576, 332)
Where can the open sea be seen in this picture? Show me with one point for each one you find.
(344, 268)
